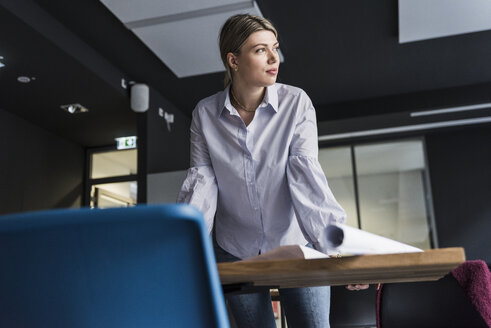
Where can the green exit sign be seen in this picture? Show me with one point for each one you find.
(126, 142)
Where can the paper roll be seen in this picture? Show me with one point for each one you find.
(349, 240)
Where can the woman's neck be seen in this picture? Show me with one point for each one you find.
(247, 97)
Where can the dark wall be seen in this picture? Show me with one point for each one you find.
(160, 149)
(38, 170)
(166, 150)
(460, 172)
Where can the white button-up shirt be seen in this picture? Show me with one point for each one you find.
(262, 183)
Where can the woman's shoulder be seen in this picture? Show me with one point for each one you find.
(213, 99)
(210, 103)
(289, 90)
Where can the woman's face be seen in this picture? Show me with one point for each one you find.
(258, 61)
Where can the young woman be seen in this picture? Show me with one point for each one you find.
(254, 170)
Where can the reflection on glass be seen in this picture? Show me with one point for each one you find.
(120, 194)
(113, 163)
(391, 191)
(336, 163)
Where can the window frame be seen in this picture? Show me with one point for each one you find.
(89, 182)
(430, 216)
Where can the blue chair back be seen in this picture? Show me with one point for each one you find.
(146, 266)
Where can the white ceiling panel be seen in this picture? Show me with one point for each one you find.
(130, 11)
(190, 46)
(423, 19)
(183, 34)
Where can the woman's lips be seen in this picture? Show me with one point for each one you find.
(273, 71)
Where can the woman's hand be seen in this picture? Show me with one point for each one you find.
(357, 286)
(352, 286)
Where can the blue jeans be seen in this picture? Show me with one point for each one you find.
(304, 307)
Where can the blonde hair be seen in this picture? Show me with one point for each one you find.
(234, 34)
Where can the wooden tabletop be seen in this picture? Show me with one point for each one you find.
(424, 266)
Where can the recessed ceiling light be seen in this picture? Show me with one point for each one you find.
(74, 108)
(24, 79)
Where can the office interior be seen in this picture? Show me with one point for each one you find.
(403, 108)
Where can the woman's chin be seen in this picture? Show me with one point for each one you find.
(270, 82)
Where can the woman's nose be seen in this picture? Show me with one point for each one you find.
(273, 57)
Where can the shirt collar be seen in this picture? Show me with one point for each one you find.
(270, 97)
(225, 101)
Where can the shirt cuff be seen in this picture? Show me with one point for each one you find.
(200, 190)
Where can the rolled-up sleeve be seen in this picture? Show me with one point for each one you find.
(313, 201)
(200, 188)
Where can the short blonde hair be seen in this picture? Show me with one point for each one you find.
(234, 34)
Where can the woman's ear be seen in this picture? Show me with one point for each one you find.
(232, 61)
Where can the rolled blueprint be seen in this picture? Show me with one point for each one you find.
(348, 240)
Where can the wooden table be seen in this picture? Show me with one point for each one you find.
(369, 269)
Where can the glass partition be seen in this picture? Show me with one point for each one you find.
(387, 194)
(111, 178)
(113, 163)
(119, 194)
(391, 191)
(336, 163)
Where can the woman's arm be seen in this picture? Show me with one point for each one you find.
(200, 188)
(313, 201)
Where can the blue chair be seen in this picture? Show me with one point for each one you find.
(146, 266)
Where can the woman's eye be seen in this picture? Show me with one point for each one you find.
(260, 50)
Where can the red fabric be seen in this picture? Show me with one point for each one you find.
(474, 277)
(379, 301)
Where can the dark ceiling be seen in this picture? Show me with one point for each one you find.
(345, 54)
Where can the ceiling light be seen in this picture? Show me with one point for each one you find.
(405, 128)
(1, 64)
(74, 108)
(450, 110)
(24, 79)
